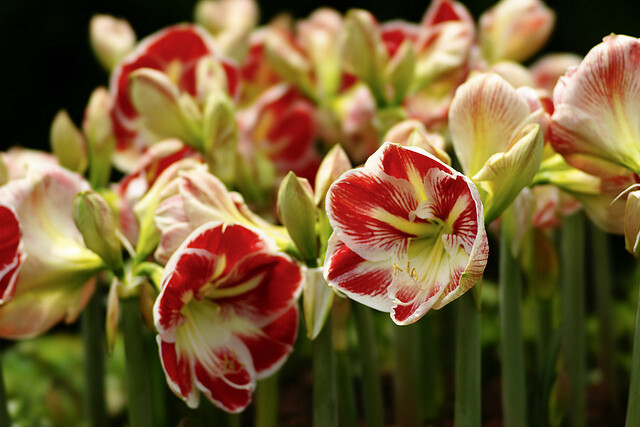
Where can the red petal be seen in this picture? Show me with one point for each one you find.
(270, 350)
(10, 255)
(178, 371)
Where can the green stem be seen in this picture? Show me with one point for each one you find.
(600, 249)
(93, 339)
(346, 393)
(138, 389)
(633, 409)
(5, 420)
(513, 371)
(573, 314)
(234, 420)
(467, 410)
(407, 400)
(431, 348)
(267, 402)
(367, 348)
(325, 403)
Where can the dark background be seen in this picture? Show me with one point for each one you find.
(46, 63)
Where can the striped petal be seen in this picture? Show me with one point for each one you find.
(11, 252)
(227, 314)
(596, 125)
(408, 233)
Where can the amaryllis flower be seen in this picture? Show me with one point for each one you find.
(175, 51)
(408, 233)
(596, 125)
(11, 252)
(226, 315)
(54, 283)
(196, 197)
(280, 125)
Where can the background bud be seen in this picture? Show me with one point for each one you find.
(94, 220)
(111, 39)
(68, 144)
(297, 211)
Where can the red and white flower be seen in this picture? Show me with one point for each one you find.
(408, 233)
(11, 252)
(54, 283)
(227, 314)
(596, 125)
(174, 51)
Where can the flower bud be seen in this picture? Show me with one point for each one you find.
(400, 70)
(297, 211)
(515, 29)
(363, 53)
(113, 312)
(94, 220)
(412, 133)
(98, 132)
(334, 164)
(317, 298)
(157, 100)
(220, 134)
(68, 144)
(111, 39)
(4, 172)
(287, 59)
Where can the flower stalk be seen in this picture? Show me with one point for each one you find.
(138, 390)
(407, 398)
(467, 410)
(513, 369)
(267, 402)
(573, 314)
(325, 402)
(372, 393)
(92, 337)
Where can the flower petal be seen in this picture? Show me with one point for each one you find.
(485, 114)
(596, 124)
(11, 252)
(366, 282)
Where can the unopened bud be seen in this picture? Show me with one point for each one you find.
(68, 144)
(297, 212)
(111, 39)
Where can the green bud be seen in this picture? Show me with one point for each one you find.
(68, 144)
(220, 136)
(292, 66)
(4, 172)
(98, 132)
(94, 219)
(334, 164)
(399, 71)
(111, 39)
(632, 224)
(158, 102)
(297, 211)
(363, 53)
(210, 78)
(317, 298)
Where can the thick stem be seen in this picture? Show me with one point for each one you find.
(367, 348)
(573, 314)
(405, 388)
(5, 420)
(429, 372)
(138, 389)
(93, 339)
(325, 404)
(346, 394)
(267, 402)
(467, 409)
(514, 394)
(600, 249)
(633, 409)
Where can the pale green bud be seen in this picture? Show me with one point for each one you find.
(297, 211)
(95, 221)
(68, 144)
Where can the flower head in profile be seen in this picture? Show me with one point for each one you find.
(408, 233)
(595, 124)
(54, 281)
(227, 314)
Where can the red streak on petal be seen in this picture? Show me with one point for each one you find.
(177, 368)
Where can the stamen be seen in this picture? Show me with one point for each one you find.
(625, 191)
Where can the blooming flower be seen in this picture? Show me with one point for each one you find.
(595, 124)
(54, 282)
(408, 233)
(174, 51)
(227, 314)
(11, 252)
